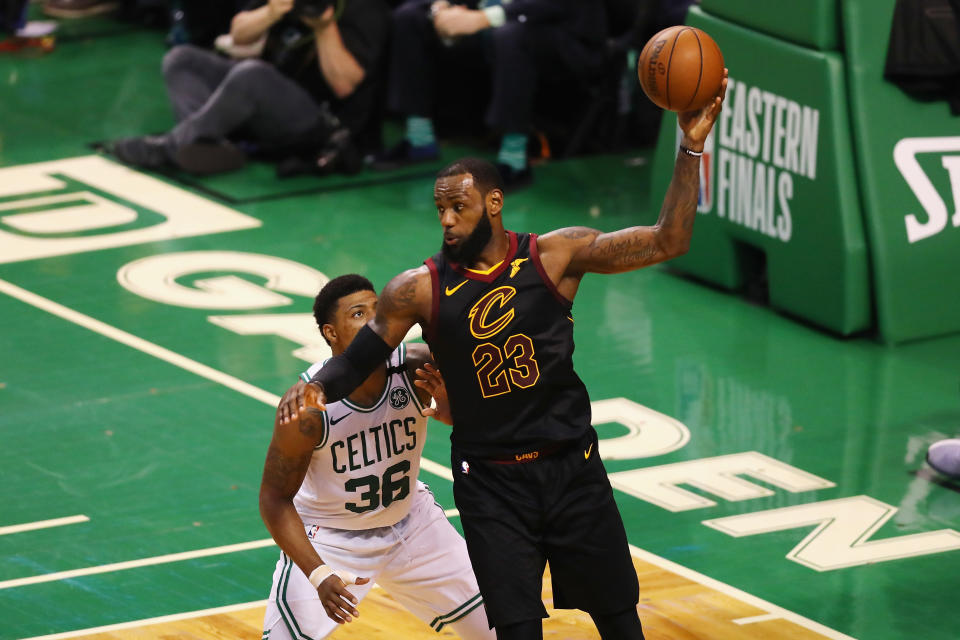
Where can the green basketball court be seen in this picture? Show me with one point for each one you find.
(151, 322)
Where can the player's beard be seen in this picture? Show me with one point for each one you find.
(467, 251)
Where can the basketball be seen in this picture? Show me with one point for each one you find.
(680, 69)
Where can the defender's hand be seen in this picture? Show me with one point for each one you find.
(337, 601)
(430, 380)
(299, 398)
(697, 124)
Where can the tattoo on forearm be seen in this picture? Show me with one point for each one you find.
(641, 246)
(681, 199)
(625, 249)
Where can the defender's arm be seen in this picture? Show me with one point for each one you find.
(288, 459)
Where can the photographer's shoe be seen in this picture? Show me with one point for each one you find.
(148, 152)
(208, 157)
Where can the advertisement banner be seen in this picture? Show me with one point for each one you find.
(779, 199)
(908, 157)
(811, 23)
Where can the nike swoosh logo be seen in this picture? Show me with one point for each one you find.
(586, 454)
(452, 291)
(333, 422)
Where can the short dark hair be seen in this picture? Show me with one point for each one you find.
(485, 175)
(326, 301)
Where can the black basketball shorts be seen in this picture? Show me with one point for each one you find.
(556, 508)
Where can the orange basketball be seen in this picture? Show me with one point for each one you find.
(681, 69)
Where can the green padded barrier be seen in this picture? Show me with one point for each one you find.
(909, 167)
(779, 181)
(812, 23)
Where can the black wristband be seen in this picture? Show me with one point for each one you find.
(691, 152)
(344, 373)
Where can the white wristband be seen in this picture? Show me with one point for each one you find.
(319, 574)
(324, 571)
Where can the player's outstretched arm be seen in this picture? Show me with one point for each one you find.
(404, 302)
(586, 250)
(288, 458)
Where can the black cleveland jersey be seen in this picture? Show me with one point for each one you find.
(503, 341)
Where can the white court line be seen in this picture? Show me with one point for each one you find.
(175, 359)
(436, 469)
(148, 621)
(133, 564)
(139, 344)
(773, 610)
(42, 524)
(762, 618)
(259, 394)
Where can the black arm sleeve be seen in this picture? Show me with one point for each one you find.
(344, 373)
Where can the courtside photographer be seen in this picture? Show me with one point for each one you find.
(305, 98)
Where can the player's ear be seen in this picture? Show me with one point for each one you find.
(329, 332)
(494, 201)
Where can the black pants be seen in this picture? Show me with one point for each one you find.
(557, 509)
(215, 97)
(516, 55)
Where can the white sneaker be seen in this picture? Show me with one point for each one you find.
(944, 456)
(36, 29)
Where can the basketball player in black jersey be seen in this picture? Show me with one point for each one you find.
(495, 307)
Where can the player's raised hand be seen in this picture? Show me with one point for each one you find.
(430, 380)
(337, 601)
(697, 124)
(299, 398)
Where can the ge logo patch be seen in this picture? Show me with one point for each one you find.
(399, 398)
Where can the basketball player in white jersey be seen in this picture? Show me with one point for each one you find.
(341, 498)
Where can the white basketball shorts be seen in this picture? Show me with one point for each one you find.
(421, 562)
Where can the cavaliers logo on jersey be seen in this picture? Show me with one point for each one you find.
(487, 316)
(399, 398)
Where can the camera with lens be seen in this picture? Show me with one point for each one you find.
(311, 8)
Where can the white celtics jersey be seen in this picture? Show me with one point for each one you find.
(364, 471)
